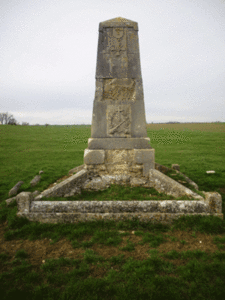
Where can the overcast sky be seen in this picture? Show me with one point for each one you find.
(48, 53)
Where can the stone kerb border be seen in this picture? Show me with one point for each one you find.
(155, 211)
(81, 211)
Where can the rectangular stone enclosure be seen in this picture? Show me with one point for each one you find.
(119, 142)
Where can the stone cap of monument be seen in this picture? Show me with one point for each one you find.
(118, 22)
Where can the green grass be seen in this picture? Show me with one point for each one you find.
(119, 193)
(107, 259)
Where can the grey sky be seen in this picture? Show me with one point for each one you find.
(48, 52)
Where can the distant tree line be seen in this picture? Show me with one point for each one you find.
(8, 119)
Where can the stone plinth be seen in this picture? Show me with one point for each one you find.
(119, 142)
(138, 161)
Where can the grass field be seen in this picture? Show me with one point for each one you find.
(109, 260)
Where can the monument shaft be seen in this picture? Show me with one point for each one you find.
(118, 121)
(119, 105)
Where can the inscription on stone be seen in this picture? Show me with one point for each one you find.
(119, 89)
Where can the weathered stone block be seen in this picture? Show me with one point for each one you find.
(65, 187)
(144, 156)
(146, 167)
(23, 201)
(16, 188)
(92, 157)
(35, 180)
(165, 184)
(214, 200)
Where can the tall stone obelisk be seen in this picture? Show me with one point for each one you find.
(119, 142)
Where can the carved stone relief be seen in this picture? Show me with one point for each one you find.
(116, 39)
(119, 121)
(115, 51)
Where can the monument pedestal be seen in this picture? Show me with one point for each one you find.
(130, 156)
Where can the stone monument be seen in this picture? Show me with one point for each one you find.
(119, 150)
(119, 145)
